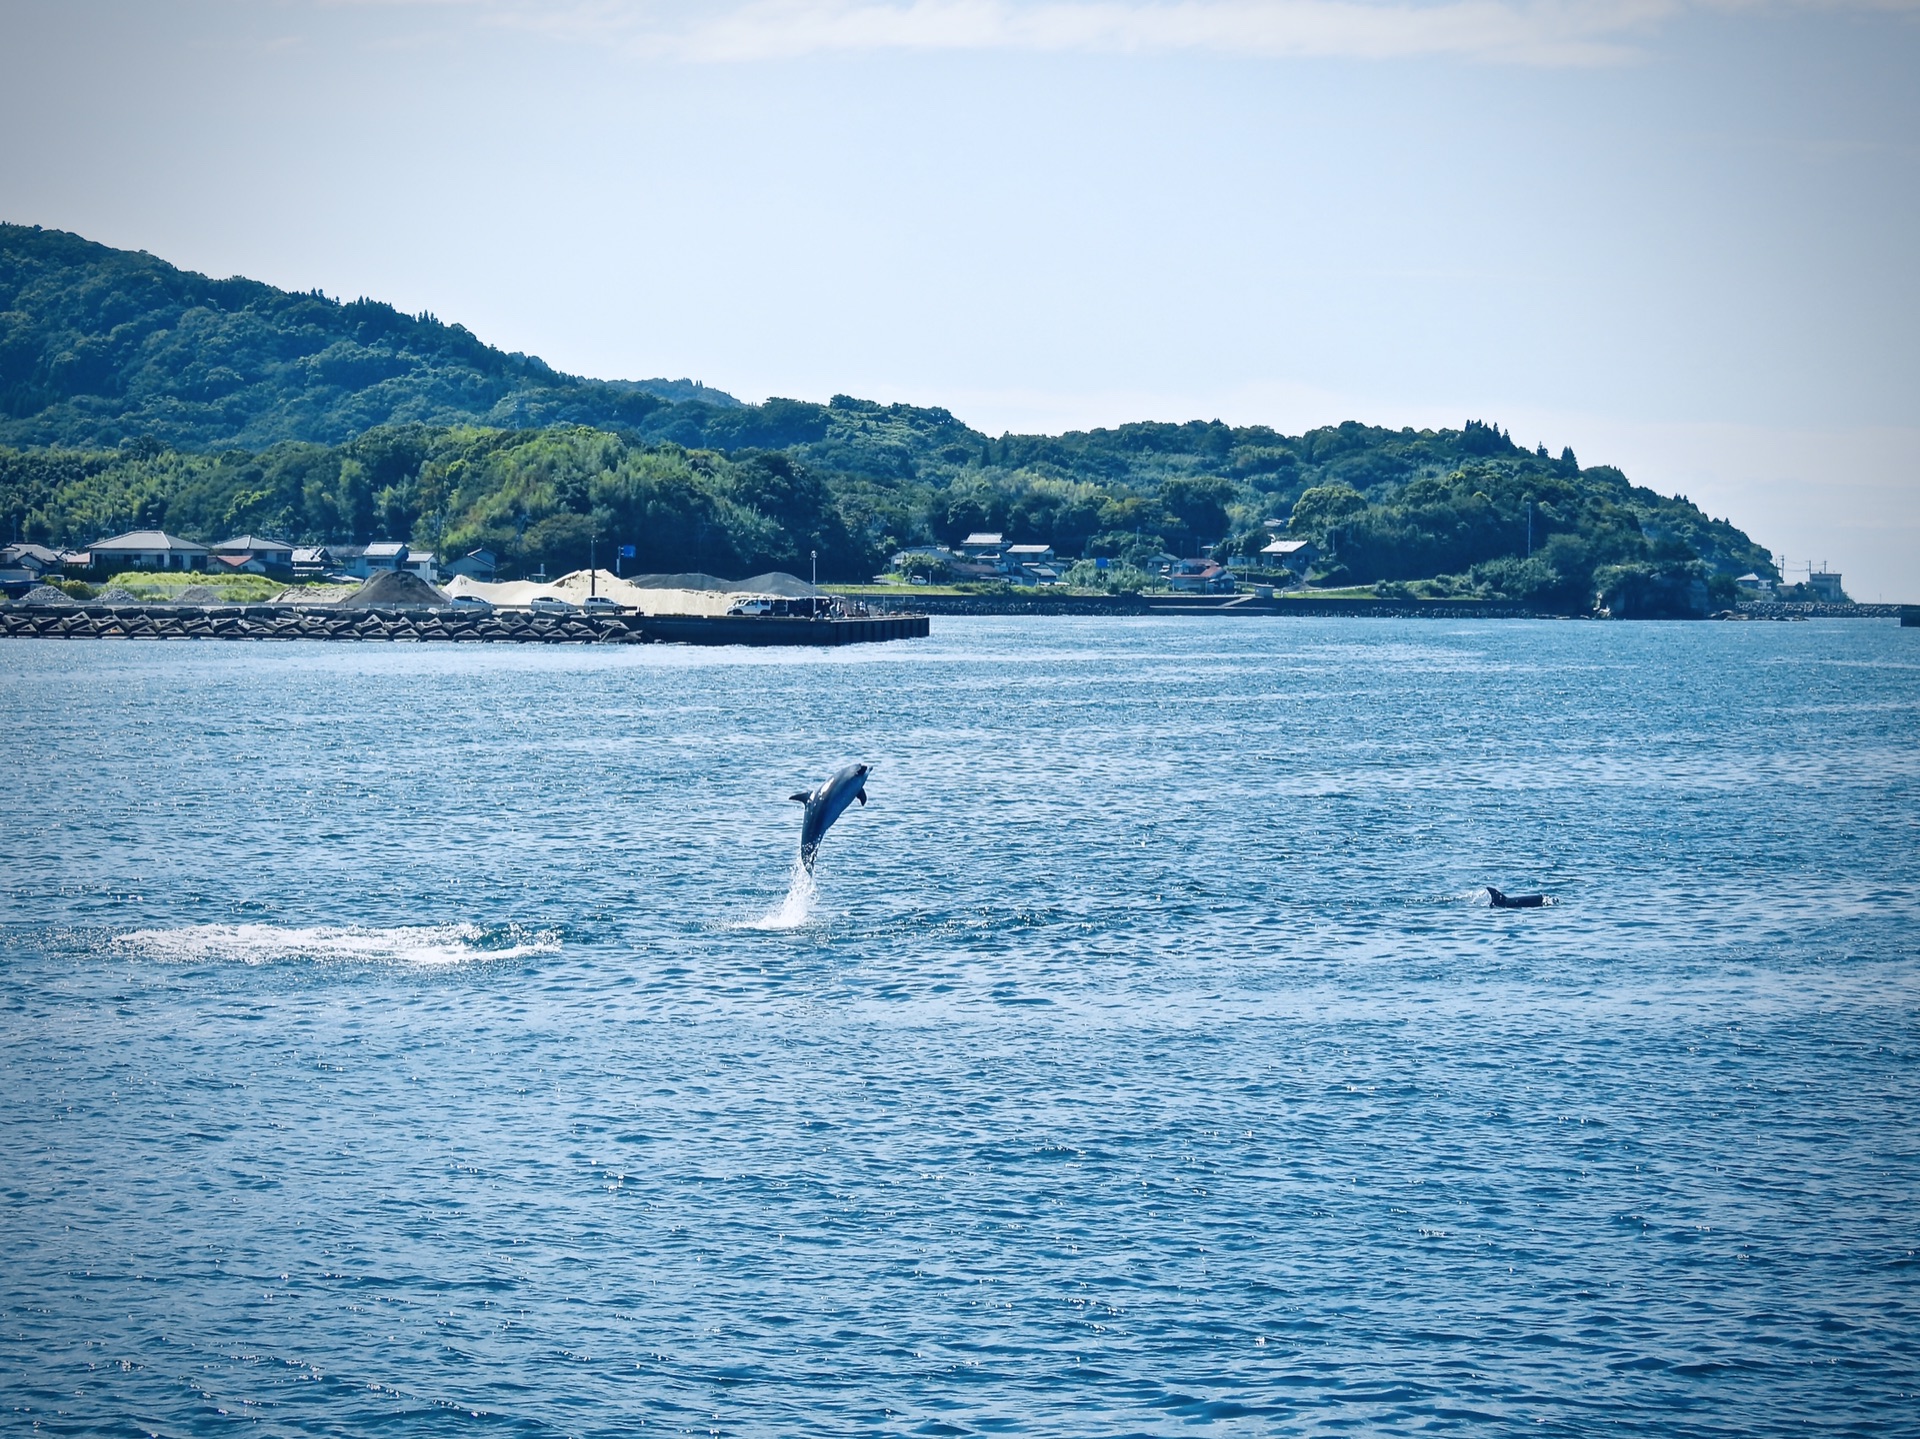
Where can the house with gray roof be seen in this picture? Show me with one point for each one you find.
(148, 550)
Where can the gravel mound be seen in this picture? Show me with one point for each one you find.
(393, 589)
(118, 596)
(45, 595)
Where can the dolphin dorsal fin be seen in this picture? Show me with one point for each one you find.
(802, 798)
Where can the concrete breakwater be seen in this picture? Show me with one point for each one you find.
(289, 622)
(1817, 610)
(1043, 603)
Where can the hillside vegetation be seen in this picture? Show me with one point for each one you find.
(459, 445)
(99, 345)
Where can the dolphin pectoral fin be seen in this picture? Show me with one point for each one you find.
(862, 797)
(800, 798)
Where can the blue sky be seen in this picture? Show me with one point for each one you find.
(1677, 237)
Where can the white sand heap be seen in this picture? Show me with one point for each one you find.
(696, 595)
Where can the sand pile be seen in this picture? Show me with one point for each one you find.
(197, 595)
(393, 589)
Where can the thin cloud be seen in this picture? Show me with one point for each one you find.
(1520, 32)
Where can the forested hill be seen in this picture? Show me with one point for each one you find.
(99, 345)
(133, 394)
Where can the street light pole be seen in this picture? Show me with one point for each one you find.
(814, 555)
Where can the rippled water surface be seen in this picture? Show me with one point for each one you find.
(427, 1039)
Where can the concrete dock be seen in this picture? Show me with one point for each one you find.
(289, 622)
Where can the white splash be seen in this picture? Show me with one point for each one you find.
(793, 911)
(428, 945)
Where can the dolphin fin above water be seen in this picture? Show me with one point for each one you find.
(1515, 901)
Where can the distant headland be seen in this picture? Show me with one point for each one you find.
(135, 396)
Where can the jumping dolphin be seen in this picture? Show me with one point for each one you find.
(828, 803)
(1515, 901)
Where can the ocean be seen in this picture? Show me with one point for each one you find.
(415, 1039)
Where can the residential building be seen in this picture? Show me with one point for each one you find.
(1826, 584)
(983, 545)
(148, 550)
(255, 554)
(1201, 577)
(37, 560)
(312, 562)
(1293, 555)
(477, 564)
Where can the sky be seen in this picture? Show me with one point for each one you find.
(1678, 237)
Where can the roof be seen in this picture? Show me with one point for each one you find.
(145, 540)
(1749, 580)
(252, 545)
(381, 549)
(27, 551)
(984, 537)
(1029, 549)
(319, 554)
(1285, 547)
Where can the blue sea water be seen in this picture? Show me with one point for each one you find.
(412, 1039)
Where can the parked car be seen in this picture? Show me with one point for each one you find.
(470, 605)
(601, 605)
(752, 607)
(552, 605)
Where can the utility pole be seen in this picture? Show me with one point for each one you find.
(1529, 526)
(814, 555)
(593, 562)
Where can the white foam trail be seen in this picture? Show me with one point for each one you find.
(430, 945)
(793, 911)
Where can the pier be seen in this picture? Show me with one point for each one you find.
(290, 622)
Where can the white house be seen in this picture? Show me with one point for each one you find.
(983, 545)
(148, 550)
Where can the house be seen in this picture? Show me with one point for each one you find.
(983, 545)
(1018, 559)
(974, 570)
(37, 560)
(1755, 582)
(1826, 584)
(1293, 555)
(255, 555)
(384, 555)
(148, 550)
(477, 564)
(1201, 577)
(313, 562)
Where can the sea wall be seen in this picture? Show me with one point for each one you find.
(1816, 610)
(1042, 602)
(287, 622)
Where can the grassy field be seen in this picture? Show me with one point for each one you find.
(157, 588)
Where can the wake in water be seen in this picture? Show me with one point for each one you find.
(793, 911)
(429, 945)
